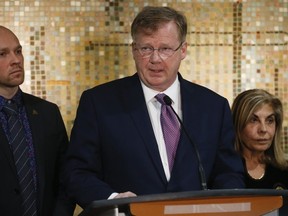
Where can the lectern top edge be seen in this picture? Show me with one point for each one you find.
(188, 194)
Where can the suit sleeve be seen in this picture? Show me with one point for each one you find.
(64, 206)
(228, 168)
(83, 171)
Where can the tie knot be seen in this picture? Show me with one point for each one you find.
(160, 98)
(10, 108)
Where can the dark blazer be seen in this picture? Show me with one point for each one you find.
(113, 147)
(50, 141)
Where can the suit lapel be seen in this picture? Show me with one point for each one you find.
(189, 110)
(135, 104)
(189, 114)
(6, 152)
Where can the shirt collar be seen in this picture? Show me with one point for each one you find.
(172, 92)
(17, 98)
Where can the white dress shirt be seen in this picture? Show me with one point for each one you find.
(154, 110)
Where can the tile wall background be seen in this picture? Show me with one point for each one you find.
(72, 45)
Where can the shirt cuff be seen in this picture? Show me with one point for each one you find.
(112, 196)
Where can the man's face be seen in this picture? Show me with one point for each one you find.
(158, 71)
(11, 61)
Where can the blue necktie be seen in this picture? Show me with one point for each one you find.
(20, 150)
(170, 128)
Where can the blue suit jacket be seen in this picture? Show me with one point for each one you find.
(50, 142)
(113, 147)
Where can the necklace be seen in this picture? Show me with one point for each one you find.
(257, 173)
(254, 177)
(255, 168)
(261, 175)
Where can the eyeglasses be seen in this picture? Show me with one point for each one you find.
(164, 52)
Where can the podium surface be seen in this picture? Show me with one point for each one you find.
(244, 202)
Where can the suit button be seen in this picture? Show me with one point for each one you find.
(17, 191)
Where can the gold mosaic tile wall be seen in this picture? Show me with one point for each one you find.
(72, 45)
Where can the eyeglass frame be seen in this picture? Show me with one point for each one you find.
(152, 49)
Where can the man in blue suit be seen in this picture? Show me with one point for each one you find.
(42, 145)
(117, 146)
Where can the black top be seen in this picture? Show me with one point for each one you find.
(274, 178)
